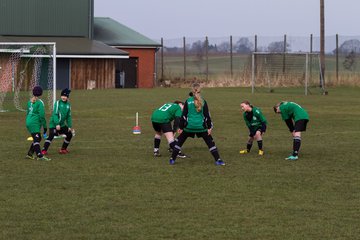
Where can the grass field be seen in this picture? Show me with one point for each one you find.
(111, 187)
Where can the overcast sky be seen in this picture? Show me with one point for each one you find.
(197, 18)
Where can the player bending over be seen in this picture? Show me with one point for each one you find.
(161, 119)
(256, 122)
(296, 118)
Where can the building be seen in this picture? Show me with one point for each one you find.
(140, 68)
(81, 58)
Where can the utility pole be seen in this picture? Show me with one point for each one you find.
(322, 46)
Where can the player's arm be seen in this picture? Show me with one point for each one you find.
(69, 118)
(183, 119)
(290, 124)
(207, 118)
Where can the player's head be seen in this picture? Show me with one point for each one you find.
(65, 94)
(180, 103)
(246, 106)
(37, 91)
(277, 107)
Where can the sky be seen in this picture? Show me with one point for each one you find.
(172, 19)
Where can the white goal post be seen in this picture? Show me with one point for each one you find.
(270, 70)
(24, 65)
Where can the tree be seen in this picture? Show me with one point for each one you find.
(243, 45)
(350, 61)
(278, 47)
(349, 46)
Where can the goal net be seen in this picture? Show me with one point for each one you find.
(23, 66)
(280, 70)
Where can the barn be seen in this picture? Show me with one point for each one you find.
(83, 57)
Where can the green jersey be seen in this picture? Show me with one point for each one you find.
(292, 110)
(166, 113)
(35, 116)
(196, 121)
(254, 119)
(61, 115)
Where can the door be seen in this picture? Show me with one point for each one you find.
(126, 73)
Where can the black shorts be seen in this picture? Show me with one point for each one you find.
(252, 133)
(300, 125)
(162, 127)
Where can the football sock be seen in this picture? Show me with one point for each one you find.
(260, 144)
(215, 153)
(31, 150)
(248, 146)
(65, 144)
(296, 145)
(172, 144)
(157, 142)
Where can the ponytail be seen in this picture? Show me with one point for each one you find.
(197, 97)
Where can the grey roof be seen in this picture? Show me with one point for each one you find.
(81, 47)
(114, 33)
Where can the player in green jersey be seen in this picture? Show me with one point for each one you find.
(35, 119)
(196, 120)
(60, 122)
(256, 122)
(296, 118)
(161, 119)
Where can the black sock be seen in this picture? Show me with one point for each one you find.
(248, 146)
(260, 144)
(296, 145)
(31, 150)
(65, 144)
(215, 153)
(157, 142)
(172, 145)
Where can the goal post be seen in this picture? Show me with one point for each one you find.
(278, 70)
(24, 65)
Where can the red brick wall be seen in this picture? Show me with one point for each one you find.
(146, 65)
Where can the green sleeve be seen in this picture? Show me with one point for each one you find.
(42, 115)
(69, 118)
(246, 121)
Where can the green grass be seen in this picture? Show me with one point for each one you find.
(111, 187)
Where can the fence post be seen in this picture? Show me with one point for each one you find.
(337, 57)
(207, 57)
(184, 45)
(231, 56)
(162, 59)
(284, 57)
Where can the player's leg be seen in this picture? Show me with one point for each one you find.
(157, 138)
(52, 133)
(300, 126)
(248, 145)
(36, 146)
(258, 137)
(208, 139)
(67, 139)
(178, 144)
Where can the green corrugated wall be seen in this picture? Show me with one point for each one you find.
(46, 18)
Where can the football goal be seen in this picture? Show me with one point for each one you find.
(279, 70)
(24, 65)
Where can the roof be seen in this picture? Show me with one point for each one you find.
(114, 33)
(72, 47)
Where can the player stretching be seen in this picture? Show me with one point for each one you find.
(196, 120)
(60, 122)
(35, 119)
(296, 118)
(161, 120)
(256, 122)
